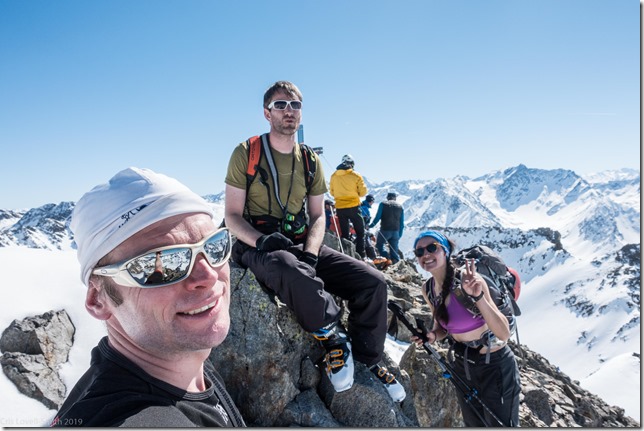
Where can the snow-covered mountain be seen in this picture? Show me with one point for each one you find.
(575, 241)
(45, 227)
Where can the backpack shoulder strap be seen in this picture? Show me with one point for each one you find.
(466, 300)
(224, 397)
(310, 166)
(255, 151)
(254, 156)
(428, 292)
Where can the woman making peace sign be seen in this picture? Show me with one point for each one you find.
(482, 358)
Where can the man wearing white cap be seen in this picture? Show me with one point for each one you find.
(156, 270)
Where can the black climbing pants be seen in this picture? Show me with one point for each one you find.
(497, 383)
(308, 293)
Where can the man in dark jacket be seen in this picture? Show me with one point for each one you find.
(365, 208)
(392, 224)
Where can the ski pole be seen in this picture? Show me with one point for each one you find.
(391, 247)
(448, 372)
(335, 223)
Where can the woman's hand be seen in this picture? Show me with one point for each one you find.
(416, 340)
(471, 281)
(475, 286)
(431, 337)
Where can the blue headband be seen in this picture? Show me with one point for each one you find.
(442, 240)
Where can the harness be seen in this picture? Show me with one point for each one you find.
(292, 225)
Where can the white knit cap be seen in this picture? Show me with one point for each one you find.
(133, 199)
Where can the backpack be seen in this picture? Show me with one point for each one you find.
(503, 282)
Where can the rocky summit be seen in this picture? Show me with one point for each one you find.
(272, 369)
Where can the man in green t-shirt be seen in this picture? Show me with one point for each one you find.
(280, 227)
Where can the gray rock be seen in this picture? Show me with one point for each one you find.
(433, 395)
(33, 350)
(307, 409)
(51, 334)
(538, 401)
(34, 377)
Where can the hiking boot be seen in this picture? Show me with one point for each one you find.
(338, 359)
(381, 263)
(395, 389)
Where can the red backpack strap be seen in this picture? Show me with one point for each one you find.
(254, 154)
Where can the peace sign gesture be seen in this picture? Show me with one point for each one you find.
(471, 281)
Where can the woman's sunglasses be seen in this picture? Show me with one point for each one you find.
(419, 252)
(176, 262)
(281, 105)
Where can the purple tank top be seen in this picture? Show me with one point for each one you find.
(460, 319)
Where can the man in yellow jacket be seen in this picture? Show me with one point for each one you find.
(347, 187)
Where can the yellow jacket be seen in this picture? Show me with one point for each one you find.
(347, 186)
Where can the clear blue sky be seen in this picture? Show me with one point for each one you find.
(412, 89)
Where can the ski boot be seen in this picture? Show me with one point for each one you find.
(338, 359)
(394, 389)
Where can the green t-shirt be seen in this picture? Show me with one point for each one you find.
(257, 198)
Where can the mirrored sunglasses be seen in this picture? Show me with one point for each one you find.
(164, 266)
(430, 248)
(281, 105)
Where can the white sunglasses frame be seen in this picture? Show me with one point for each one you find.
(288, 105)
(119, 273)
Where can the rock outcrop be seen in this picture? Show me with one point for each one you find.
(33, 350)
(272, 369)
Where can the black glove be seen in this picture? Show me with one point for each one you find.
(239, 248)
(272, 242)
(309, 258)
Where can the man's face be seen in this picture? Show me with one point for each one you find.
(187, 316)
(284, 121)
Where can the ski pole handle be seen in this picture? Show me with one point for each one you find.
(420, 323)
(398, 312)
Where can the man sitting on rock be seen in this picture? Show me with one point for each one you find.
(152, 369)
(278, 219)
